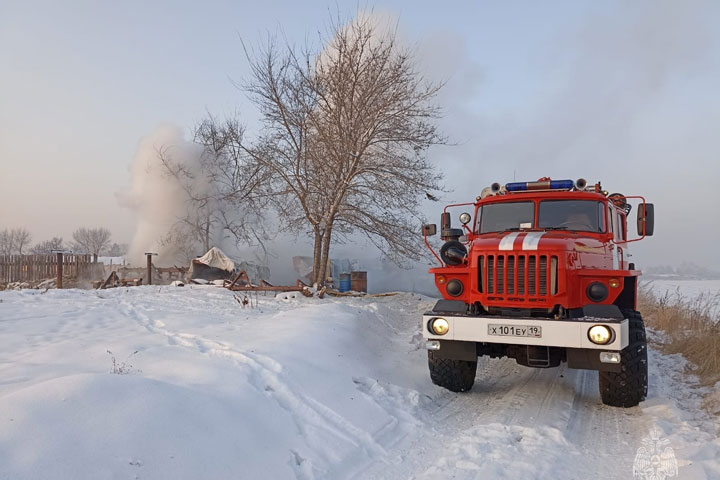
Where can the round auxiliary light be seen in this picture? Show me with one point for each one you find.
(454, 288)
(597, 292)
(465, 218)
(438, 326)
(600, 334)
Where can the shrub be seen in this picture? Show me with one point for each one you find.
(691, 326)
(121, 368)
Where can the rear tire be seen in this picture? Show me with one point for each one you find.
(455, 375)
(628, 387)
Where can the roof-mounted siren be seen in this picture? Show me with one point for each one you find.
(494, 189)
(580, 184)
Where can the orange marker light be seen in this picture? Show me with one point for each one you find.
(614, 283)
(441, 279)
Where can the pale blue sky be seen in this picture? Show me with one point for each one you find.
(623, 92)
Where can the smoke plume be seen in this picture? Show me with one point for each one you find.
(158, 198)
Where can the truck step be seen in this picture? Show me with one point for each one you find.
(538, 356)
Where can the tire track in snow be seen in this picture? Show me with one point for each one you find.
(519, 406)
(406, 408)
(606, 436)
(313, 419)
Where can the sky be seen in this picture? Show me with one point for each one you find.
(619, 92)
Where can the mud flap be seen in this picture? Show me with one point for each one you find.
(456, 350)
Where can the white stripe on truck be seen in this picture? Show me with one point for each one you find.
(531, 240)
(508, 240)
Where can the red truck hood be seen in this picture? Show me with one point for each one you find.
(531, 241)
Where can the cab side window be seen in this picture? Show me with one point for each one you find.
(620, 235)
(617, 225)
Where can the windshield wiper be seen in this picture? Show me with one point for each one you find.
(556, 228)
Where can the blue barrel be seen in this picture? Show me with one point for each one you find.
(344, 282)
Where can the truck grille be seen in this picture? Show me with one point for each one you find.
(518, 276)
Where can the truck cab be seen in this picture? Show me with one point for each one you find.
(540, 272)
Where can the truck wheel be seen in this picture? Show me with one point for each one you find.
(455, 375)
(628, 387)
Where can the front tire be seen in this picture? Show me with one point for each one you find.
(455, 375)
(628, 387)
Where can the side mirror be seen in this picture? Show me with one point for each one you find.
(429, 230)
(646, 219)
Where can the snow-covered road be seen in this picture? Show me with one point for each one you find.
(304, 388)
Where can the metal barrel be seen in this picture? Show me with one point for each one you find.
(358, 281)
(344, 282)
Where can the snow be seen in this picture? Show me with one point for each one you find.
(690, 288)
(307, 388)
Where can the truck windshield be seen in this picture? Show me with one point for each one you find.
(500, 217)
(579, 215)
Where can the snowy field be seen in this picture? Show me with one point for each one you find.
(301, 388)
(689, 288)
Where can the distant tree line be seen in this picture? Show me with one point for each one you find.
(684, 270)
(95, 241)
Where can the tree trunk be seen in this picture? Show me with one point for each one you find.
(317, 250)
(207, 234)
(325, 256)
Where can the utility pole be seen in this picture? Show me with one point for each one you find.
(149, 266)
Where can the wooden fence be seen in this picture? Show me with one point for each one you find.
(28, 268)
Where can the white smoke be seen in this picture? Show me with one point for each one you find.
(156, 197)
(624, 96)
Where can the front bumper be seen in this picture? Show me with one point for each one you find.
(570, 333)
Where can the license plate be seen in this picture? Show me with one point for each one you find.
(515, 330)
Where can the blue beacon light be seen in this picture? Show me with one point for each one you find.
(543, 185)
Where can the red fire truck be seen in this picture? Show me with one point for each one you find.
(541, 273)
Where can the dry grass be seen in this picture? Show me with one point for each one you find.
(691, 327)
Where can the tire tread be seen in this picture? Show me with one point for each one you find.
(628, 387)
(454, 375)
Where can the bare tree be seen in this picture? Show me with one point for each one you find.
(346, 137)
(21, 239)
(221, 188)
(14, 241)
(6, 245)
(116, 250)
(182, 241)
(92, 240)
(47, 246)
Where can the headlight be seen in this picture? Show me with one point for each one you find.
(454, 288)
(438, 326)
(600, 334)
(597, 292)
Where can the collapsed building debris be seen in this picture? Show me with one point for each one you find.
(241, 283)
(214, 265)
